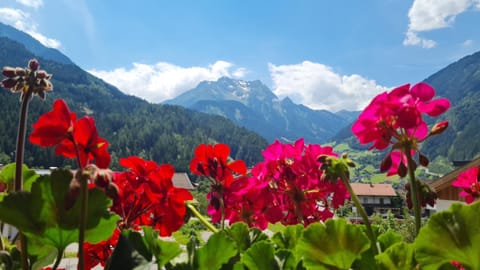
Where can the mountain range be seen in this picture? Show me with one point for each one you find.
(252, 105)
(169, 133)
(163, 133)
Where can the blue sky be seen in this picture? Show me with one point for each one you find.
(324, 54)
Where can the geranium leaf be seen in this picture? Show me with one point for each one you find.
(7, 175)
(398, 256)
(163, 251)
(125, 256)
(259, 256)
(452, 235)
(244, 237)
(216, 252)
(333, 245)
(388, 239)
(288, 238)
(286, 259)
(41, 214)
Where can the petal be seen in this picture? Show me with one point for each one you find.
(238, 166)
(423, 91)
(434, 107)
(221, 151)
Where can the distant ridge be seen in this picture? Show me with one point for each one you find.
(33, 45)
(252, 105)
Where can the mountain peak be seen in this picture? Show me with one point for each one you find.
(33, 45)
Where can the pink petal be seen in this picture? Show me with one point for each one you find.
(423, 91)
(435, 107)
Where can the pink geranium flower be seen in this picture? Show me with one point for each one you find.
(469, 182)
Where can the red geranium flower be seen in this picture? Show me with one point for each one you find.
(72, 138)
(54, 126)
(99, 253)
(148, 196)
(88, 144)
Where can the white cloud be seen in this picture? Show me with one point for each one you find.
(23, 22)
(319, 87)
(163, 81)
(31, 3)
(467, 43)
(413, 39)
(427, 15)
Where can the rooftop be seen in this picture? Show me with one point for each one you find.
(373, 189)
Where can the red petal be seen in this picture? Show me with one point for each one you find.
(435, 107)
(423, 91)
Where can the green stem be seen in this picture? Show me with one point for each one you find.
(201, 218)
(363, 214)
(83, 219)
(58, 259)
(413, 191)
(222, 208)
(22, 130)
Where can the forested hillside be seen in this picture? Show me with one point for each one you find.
(133, 126)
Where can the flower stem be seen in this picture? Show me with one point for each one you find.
(58, 259)
(413, 190)
(22, 128)
(83, 219)
(201, 218)
(363, 214)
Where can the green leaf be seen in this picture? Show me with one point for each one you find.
(286, 259)
(163, 251)
(7, 175)
(125, 256)
(260, 256)
(244, 237)
(452, 235)
(388, 239)
(398, 256)
(41, 214)
(216, 252)
(289, 237)
(333, 245)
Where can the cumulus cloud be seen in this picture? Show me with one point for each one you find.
(163, 81)
(31, 3)
(23, 22)
(427, 15)
(319, 87)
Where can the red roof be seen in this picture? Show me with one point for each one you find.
(373, 189)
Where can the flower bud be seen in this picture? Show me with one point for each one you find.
(438, 128)
(402, 170)
(423, 160)
(33, 64)
(9, 83)
(9, 72)
(41, 74)
(112, 191)
(386, 163)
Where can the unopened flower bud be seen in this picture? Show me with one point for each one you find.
(112, 191)
(438, 128)
(33, 64)
(402, 170)
(41, 74)
(386, 164)
(103, 178)
(423, 160)
(9, 83)
(9, 72)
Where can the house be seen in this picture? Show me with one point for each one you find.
(446, 193)
(375, 198)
